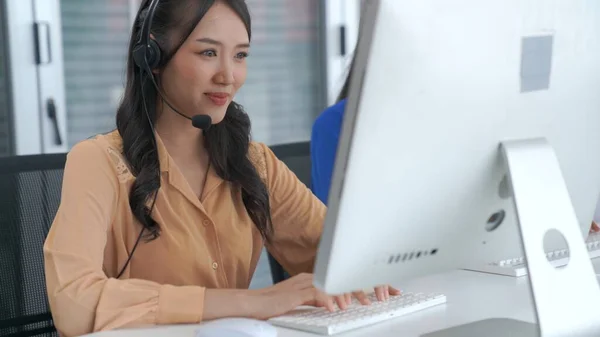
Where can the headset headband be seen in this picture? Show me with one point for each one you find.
(146, 53)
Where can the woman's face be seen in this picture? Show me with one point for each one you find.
(206, 72)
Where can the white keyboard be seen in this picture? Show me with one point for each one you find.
(516, 267)
(321, 321)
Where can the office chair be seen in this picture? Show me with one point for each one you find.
(297, 158)
(30, 190)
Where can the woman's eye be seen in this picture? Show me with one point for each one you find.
(241, 55)
(209, 53)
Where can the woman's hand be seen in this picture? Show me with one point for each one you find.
(594, 228)
(299, 290)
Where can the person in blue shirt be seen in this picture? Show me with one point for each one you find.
(324, 142)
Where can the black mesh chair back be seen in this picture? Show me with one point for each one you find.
(30, 190)
(297, 158)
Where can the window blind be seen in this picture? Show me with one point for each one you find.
(284, 89)
(95, 39)
(283, 92)
(5, 127)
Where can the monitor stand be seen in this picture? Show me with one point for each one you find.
(565, 301)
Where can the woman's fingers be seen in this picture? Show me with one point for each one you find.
(361, 297)
(393, 291)
(341, 302)
(380, 293)
(383, 293)
(315, 298)
(348, 298)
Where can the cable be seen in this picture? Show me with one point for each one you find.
(137, 241)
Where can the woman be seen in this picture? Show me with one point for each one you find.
(324, 142)
(161, 222)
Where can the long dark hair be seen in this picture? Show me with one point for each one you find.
(227, 142)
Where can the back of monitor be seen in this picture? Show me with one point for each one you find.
(438, 86)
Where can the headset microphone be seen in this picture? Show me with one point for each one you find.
(202, 122)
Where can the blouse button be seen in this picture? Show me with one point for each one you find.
(206, 222)
(215, 265)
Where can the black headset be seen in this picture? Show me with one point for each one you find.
(146, 52)
(146, 55)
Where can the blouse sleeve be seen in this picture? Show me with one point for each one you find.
(297, 216)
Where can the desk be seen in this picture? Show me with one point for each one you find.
(470, 296)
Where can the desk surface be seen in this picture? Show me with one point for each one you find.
(471, 296)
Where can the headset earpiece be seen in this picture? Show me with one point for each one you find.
(149, 53)
(146, 52)
(153, 54)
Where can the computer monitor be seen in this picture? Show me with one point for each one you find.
(472, 128)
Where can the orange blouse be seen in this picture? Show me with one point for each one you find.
(206, 243)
